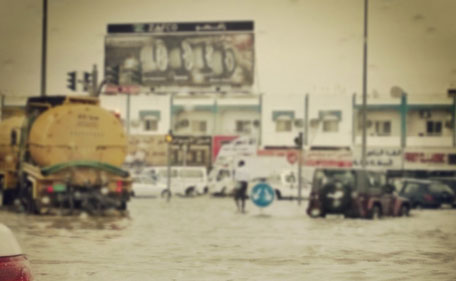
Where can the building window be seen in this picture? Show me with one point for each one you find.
(283, 125)
(199, 126)
(243, 126)
(383, 128)
(150, 124)
(330, 126)
(434, 128)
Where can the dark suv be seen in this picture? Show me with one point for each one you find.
(354, 193)
(450, 181)
(427, 193)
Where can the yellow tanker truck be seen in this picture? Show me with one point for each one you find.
(66, 152)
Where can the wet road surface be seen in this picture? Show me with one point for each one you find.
(205, 239)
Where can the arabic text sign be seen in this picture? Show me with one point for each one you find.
(380, 157)
(430, 158)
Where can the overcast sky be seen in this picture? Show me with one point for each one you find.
(301, 46)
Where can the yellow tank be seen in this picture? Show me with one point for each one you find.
(8, 151)
(75, 132)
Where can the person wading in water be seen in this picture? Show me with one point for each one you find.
(240, 192)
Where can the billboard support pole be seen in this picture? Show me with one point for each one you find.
(2, 104)
(44, 49)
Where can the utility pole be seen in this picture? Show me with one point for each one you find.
(364, 108)
(43, 49)
(302, 150)
(94, 89)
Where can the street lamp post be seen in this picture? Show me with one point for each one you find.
(364, 109)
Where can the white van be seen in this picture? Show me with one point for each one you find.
(221, 181)
(283, 178)
(185, 181)
(286, 185)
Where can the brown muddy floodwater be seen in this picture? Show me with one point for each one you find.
(205, 239)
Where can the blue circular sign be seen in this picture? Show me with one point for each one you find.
(262, 195)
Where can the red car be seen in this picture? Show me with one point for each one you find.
(14, 265)
(354, 193)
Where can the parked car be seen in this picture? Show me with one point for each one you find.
(354, 193)
(427, 193)
(14, 265)
(146, 186)
(185, 181)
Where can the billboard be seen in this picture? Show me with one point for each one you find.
(199, 55)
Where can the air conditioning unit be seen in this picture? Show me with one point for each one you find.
(449, 124)
(299, 123)
(314, 122)
(256, 123)
(425, 114)
(184, 123)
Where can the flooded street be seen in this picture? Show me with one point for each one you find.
(205, 239)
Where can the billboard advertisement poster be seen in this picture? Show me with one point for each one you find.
(181, 54)
(380, 157)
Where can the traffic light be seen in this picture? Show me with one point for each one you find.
(112, 74)
(298, 140)
(87, 81)
(169, 137)
(71, 80)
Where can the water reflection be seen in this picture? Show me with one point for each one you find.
(205, 239)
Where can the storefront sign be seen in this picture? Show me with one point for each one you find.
(328, 158)
(430, 159)
(379, 157)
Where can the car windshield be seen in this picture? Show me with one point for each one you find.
(323, 177)
(290, 178)
(440, 188)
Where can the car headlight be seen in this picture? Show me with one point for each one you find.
(45, 200)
